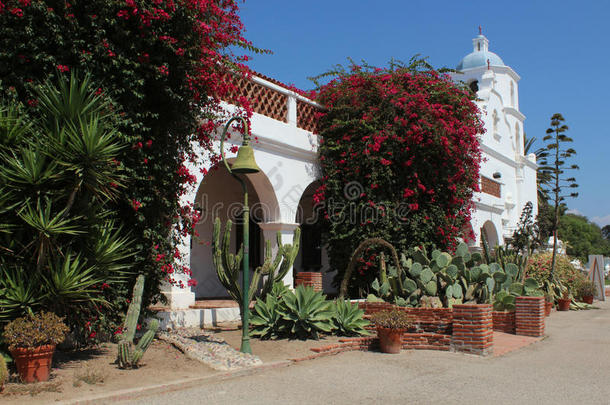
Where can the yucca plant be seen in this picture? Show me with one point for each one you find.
(306, 313)
(59, 238)
(348, 319)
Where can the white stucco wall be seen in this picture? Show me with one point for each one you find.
(287, 157)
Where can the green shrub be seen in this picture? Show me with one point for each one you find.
(306, 313)
(586, 288)
(45, 328)
(166, 64)
(348, 319)
(266, 320)
(539, 268)
(303, 314)
(61, 248)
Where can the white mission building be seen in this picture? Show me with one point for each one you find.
(281, 194)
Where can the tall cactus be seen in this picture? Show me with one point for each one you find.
(128, 356)
(228, 265)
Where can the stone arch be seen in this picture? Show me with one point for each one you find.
(220, 195)
(491, 233)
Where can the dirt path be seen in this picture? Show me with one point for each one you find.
(94, 371)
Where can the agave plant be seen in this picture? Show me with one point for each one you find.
(348, 319)
(306, 313)
(266, 321)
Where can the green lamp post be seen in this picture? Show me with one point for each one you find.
(243, 164)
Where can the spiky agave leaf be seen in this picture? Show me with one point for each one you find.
(348, 319)
(266, 321)
(306, 313)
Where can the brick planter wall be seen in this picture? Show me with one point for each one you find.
(529, 316)
(309, 279)
(426, 341)
(472, 329)
(431, 320)
(504, 321)
(465, 328)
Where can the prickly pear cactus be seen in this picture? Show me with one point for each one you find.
(128, 356)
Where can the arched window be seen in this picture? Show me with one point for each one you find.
(512, 94)
(474, 86)
(495, 119)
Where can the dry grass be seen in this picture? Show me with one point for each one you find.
(89, 375)
(32, 389)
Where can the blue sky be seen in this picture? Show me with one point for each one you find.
(559, 48)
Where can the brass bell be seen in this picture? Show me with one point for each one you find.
(244, 162)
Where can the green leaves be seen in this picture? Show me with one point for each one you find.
(304, 314)
(348, 319)
(61, 248)
(266, 321)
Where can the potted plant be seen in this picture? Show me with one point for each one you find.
(390, 327)
(31, 341)
(586, 291)
(563, 303)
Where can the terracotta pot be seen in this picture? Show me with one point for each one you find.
(588, 299)
(547, 308)
(33, 364)
(563, 304)
(390, 340)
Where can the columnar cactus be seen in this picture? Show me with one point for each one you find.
(128, 356)
(3, 372)
(229, 265)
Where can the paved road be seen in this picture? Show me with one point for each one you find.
(571, 366)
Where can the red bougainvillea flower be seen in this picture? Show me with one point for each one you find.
(409, 138)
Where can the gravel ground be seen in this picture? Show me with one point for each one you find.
(211, 350)
(571, 366)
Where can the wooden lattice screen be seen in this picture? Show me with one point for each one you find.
(263, 100)
(491, 187)
(306, 117)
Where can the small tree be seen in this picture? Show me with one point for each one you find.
(527, 236)
(553, 163)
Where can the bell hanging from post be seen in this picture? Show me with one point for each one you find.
(244, 162)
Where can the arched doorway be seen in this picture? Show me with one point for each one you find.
(220, 195)
(312, 255)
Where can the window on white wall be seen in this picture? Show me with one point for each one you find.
(512, 94)
(495, 120)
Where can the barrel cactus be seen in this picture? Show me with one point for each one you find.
(128, 356)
